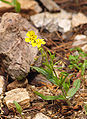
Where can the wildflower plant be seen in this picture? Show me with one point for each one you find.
(49, 71)
(78, 61)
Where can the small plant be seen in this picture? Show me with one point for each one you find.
(62, 81)
(14, 3)
(78, 61)
(19, 109)
(85, 108)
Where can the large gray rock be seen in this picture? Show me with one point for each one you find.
(15, 54)
(53, 22)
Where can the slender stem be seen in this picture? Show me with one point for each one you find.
(54, 71)
(68, 102)
(45, 55)
(63, 92)
(22, 116)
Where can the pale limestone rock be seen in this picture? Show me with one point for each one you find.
(50, 5)
(29, 117)
(41, 116)
(79, 37)
(52, 22)
(78, 19)
(42, 19)
(64, 14)
(19, 95)
(84, 48)
(25, 4)
(17, 84)
(2, 82)
(65, 25)
(79, 40)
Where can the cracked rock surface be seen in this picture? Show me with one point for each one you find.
(16, 55)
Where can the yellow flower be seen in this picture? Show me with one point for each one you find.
(34, 44)
(31, 36)
(39, 42)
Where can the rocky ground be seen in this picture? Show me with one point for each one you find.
(63, 25)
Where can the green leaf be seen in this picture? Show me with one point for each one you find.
(52, 57)
(49, 52)
(63, 77)
(73, 90)
(18, 107)
(48, 65)
(6, 2)
(71, 66)
(85, 107)
(72, 49)
(80, 64)
(76, 48)
(54, 80)
(14, 3)
(47, 74)
(40, 70)
(66, 86)
(57, 67)
(77, 66)
(83, 69)
(17, 5)
(71, 57)
(59, 97)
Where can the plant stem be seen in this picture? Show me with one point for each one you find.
(22, 116)
(54, 71)
(68, 102)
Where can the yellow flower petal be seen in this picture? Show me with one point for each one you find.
(27, 39)
(38, 45)
(31, 35)
(32, 41)
(43, 42)
(31, 32)
(28, 34)
(34, 44)
(40, 42)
